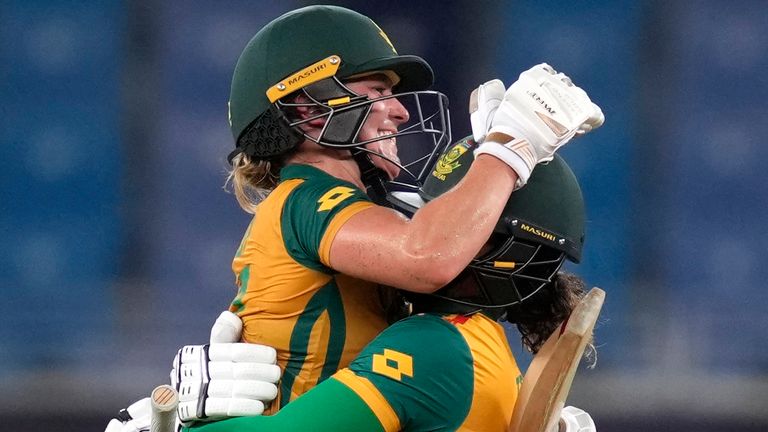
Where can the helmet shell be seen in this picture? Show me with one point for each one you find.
(305, 36)
(548, 210)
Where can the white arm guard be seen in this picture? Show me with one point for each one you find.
(573, 419)
(539, 113)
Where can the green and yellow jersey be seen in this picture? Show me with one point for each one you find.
(438, 373)
(424, 373)
(289, 298)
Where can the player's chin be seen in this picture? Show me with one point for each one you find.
(389, 168)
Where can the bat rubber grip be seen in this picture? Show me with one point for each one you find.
(164, 400)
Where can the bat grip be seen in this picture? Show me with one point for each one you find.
(164, 400)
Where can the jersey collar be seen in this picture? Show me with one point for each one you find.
(300, 171)
(306, 172)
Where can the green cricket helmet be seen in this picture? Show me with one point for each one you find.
(311, 52)
(541, 225)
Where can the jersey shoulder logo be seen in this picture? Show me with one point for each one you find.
(333, 197)
(393, 364)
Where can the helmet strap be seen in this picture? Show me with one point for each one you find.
(431, 303)
(372, 177)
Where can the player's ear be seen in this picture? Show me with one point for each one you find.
(308, 111)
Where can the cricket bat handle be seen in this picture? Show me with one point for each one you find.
(164, 400)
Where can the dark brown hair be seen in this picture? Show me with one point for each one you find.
(542, 314)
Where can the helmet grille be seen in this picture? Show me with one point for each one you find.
(514, 270)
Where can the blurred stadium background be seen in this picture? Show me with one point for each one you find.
(117, 236)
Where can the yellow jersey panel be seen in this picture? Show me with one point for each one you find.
(496, 375)
(437, 373)
(317, 319)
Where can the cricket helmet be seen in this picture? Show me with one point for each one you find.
(541, 225)
(311, 51)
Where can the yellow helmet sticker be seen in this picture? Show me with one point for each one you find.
(339, 101)
(313, 73)
(385, 37)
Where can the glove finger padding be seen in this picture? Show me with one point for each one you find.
(576, 420)
(222, 388)
(227, 329)
(249, 389)
(135, 418)
(224, 379)
(242, 352)
(540, 112)
(544, 108)
(234, 352)
(593, 122)
(241, 360)
(246, 371)
(218, 408)
(483, 103)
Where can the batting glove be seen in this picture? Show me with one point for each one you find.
(574, 419)
(483, 103)
(217, 380)
(135, 418)
(538, 114)
(224, 378)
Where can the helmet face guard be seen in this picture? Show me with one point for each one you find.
(419, 141)
(508, 275)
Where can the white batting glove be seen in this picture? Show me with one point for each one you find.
(574, 419)
(221, 379)
(135, 418)
(224, 378)
(483, 103)
(539, 113)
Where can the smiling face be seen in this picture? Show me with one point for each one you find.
(383, 120)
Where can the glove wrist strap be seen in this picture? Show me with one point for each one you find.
(504, 153)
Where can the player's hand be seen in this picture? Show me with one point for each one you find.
(539, 113)
(224, 378)
(217, 380)
(135, 418)
(574, 419)
(483, 103)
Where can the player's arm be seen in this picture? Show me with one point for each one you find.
(428, 251)
(331, 406)
(383, 388)
(521, 126)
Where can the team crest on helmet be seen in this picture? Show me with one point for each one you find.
(450, 161)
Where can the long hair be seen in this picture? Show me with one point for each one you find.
(542, 314)
(251, 180)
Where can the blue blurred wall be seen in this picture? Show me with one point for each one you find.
(593, 42)
(709, 216)
(60, 173)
